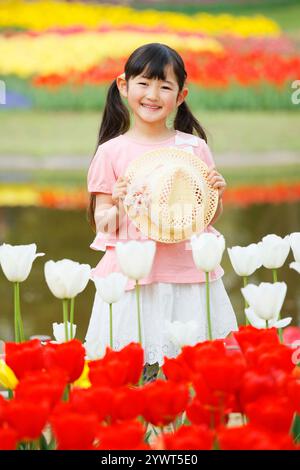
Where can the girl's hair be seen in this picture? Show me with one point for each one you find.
(151, 60)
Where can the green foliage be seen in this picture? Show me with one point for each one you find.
(92, 97)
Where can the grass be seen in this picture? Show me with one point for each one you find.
(66, 134)
(263, 175)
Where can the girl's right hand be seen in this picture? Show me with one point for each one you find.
(119, 190)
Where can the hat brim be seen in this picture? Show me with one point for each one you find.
(143, 165)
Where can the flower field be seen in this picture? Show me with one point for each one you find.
(105, 406)
(51, 51)
(77, 198)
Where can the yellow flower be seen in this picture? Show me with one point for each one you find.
(42, 15)
(83, 381)
(52, 53)
(7, 377)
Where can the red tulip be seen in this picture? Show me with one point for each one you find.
(163, 401)
(24, 357)
(251, 438)
(249, 337)
(26, 418)
(186, 438)
(118, 368)
(128, 435)
(74, 431)
(42, 386)
(274, 414)
(95, 400)
(8, 438)
(68, 357)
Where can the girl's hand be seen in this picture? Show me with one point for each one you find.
(119, 190)
(216, 180)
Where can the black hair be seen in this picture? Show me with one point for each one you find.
(151, 60)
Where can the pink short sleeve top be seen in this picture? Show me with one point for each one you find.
(173, 262)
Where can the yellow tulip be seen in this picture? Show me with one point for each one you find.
(42, 15)
(7, 377)
(51, 53)
(83, 381)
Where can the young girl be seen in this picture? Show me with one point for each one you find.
(154, 86)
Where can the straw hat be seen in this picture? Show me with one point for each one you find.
(169, 197)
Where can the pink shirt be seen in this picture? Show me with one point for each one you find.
(173, 262)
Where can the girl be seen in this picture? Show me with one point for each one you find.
(154, 87)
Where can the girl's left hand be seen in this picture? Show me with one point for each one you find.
(216, 180)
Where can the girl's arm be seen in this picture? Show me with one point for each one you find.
(218, 182)
(108, 216)
(109, 210)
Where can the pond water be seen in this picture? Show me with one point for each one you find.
(66, 234)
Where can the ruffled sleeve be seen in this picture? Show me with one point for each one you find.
(101, 176)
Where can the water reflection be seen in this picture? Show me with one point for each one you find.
(66, 234)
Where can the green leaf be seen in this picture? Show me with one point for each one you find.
(148, 434)
(43, 443)
(296, 429)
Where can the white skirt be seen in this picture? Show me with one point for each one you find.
(160, 302)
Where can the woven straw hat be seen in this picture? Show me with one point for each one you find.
(168, 196)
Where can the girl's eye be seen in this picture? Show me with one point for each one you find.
(142, 83)
(166, 87)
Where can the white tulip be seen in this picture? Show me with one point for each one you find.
(245, 260)
(111, 288)
(16, 261)
(136, 258)
(296, 266)
(66, 278)
(266, 299)
(182, 334)
(295, 245)
(275, 251)
(59, 331)
(94, 349)
(258, 322)
(207, 250)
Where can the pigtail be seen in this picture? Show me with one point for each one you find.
(115, 121)
(185, 121)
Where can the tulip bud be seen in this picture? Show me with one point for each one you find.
(136, 258)
(245, 260)
(66, 278)
(275, 251)
(16, 261)
(207, 250)
(111, 288)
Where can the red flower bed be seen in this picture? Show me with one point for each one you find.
(202, 386)
(207, 69)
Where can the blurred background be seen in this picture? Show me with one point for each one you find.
(56, 61)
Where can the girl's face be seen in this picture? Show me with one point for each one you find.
(152, 100)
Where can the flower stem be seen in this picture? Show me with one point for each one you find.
(21, 329)
(111, 326)
(137, 290)
(72, 317)
(16, 325)
(208, 306)
(65, 314)
(280, 333)
(245, 282)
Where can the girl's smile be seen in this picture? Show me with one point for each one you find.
(152, 100)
